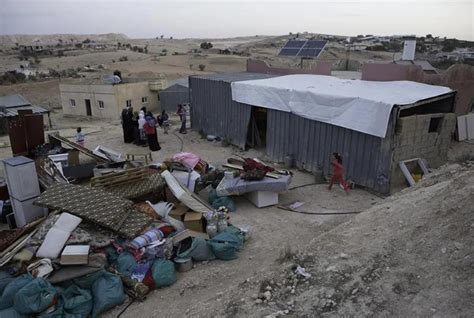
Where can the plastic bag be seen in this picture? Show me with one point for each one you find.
(225, 245)
(86, 281)
(34, 297)
(107, 292)
(163, 273)
(6, 301)
(10, 313)
(224, 201)
(198, 251)
(5, 279)
(77, 301)
(126, 264)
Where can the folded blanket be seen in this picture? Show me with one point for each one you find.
(57, 236)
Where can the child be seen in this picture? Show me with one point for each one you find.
(338, 172)
(80, 137)
(164, 122)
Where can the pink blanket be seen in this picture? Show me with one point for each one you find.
(188, 159)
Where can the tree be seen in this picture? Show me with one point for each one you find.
(86, 41)
(206, 45)
(171, 38)
(429, 36)
(449, 45)
(162, 36)
(146, 49)
(119, 44)
(202, 67)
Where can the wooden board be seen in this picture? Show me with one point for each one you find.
(123, 177)
(237, 167)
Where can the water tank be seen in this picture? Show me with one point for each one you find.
(157, 85)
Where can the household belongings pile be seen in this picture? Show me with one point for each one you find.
(96, 247)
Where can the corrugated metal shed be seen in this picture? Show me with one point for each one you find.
(13, 101)
(212, 109)
(172, 96)
(366, 158)
(12, 112)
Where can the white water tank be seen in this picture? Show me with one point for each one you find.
(409, 49)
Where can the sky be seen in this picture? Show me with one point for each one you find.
(231, 18)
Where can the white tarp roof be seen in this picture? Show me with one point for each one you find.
(363, 106)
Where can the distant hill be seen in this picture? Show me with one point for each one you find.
(11, 40)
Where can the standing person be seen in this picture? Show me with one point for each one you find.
(80, 137)
(182, 116)
(164, 122)
(338, 172)
(150, 131)
(141, 123)
(136, 131)
(123, 120)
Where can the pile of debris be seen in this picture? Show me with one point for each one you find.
(79, 245)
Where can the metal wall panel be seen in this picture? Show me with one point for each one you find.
(169, 99)
(214, 112)
(366, 158)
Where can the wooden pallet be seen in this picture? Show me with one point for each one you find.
(118, 178)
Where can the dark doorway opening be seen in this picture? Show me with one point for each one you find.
(88, 107)
(257, 130)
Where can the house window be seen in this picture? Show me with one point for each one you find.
(145, 100)
(435, 124)
(72, 102)
(101, 104)
(129, 103)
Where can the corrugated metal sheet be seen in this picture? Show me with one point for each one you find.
(214, 112)
(12, 112)
(13, 101)
(172, 96)
(366, 158)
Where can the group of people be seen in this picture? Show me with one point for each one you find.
(140, 127)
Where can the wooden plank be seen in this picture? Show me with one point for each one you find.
(78, 147)
(237, 167)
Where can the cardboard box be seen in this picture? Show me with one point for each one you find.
(188, 233)
(193, 221)
(179, 211)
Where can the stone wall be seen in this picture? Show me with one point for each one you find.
(413, 139)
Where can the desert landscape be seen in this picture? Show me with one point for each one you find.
(409, 254)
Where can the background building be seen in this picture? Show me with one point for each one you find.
(176, 93)
(104, 100)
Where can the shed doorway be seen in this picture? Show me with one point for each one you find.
(257, 130)
(88, 107)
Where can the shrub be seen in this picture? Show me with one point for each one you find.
(123, 58)
(202, 67)
(206, 45)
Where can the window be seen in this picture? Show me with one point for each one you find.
(435, 124)
(145, 99)
(72, 102)
(101, 104)
(129, 103)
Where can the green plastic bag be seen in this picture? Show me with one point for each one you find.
(199, 250)
(225, 245)
(77, 301)
(6, 301)
(107, 292)
(126, 264)
(34, 297)
(163, 273)
(224, 201)
(5, 279)
(10, 313)
(86, 281)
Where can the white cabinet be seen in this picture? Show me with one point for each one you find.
(21, 177)
(23, 187)
(25, 212)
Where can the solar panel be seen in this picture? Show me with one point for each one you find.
(315, 44)
(303, 48)
(289, 52)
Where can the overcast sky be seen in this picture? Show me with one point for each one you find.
(229, 18)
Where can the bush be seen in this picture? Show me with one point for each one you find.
(206, 45)
(202, 67)
(12, 78)
(123, 58)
